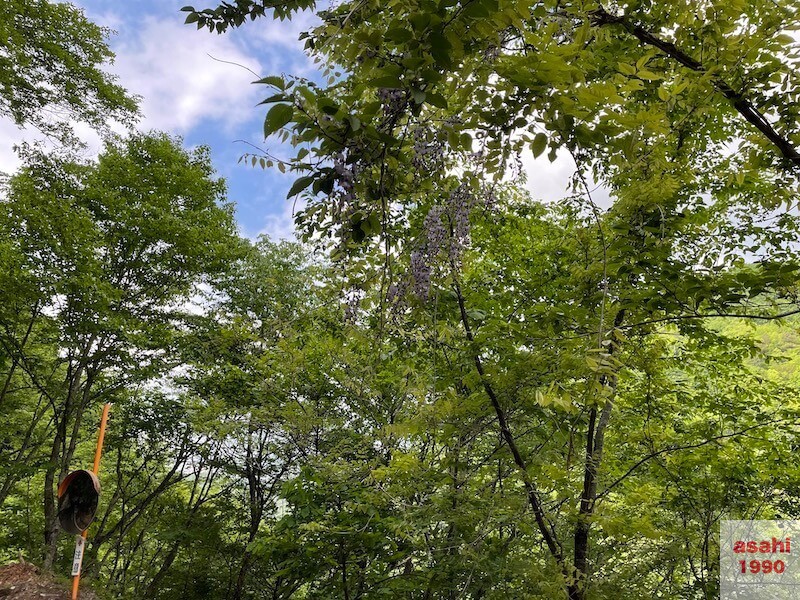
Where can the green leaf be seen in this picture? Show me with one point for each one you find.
(274, 81)
(387, 81)
(299, 185)
(649, 75)
(437, 100)
(476, 314)
(399, 34)
(372, 224)
(278, 116)
(326, 105)
(274, 98)
(440, 48)
(539, 144)
(358, 234)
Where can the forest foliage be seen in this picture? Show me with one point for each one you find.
(52, 70)
(450, 389)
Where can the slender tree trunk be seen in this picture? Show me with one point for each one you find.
(18, 353)
(9, 379)
(242, 576)
(51, 526)
(22, 455)
(152, 587)
(595, 442)
(59, 459)
(546, 528)
(197, 498)
(256, 510)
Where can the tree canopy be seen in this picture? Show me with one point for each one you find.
(684, 112)
(52, 70)
(450, 388)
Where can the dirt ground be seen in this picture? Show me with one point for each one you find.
(25, 581)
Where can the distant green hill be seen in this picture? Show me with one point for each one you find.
(778, 341)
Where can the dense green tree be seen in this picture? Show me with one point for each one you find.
(476, 395)
(52, 70)
(685, 112)
(108, 251)
(312, 446)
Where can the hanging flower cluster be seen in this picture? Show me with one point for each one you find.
(393, 101)
(445, 227)
(428, 151)
(343, 195)
(345, 177)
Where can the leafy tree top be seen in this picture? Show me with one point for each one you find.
(686, 112)
(51, 70)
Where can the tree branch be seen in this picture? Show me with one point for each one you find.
(710, 440)
(676, 318)
(545, 527)
(745, 108)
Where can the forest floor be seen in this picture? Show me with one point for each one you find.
(26, 581)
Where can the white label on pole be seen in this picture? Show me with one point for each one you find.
(77, 559)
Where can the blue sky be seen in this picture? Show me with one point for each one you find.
(187, 91)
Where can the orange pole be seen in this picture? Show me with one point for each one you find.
(101, 436)
(98, 452)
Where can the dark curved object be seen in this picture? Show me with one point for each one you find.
(78, 496)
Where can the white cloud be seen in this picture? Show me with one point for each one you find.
(105, 18)
(550, 181)
(168, 64)
(12, 135)
(171, 66)
(279, 226)
(284, 35)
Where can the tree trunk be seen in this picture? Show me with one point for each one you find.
(595, 442)
(240, 579)
(18, 353)
(256, 504)
(60, 458)
(152, 587)
(51, 527)
(545, 526)
(21, 457)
